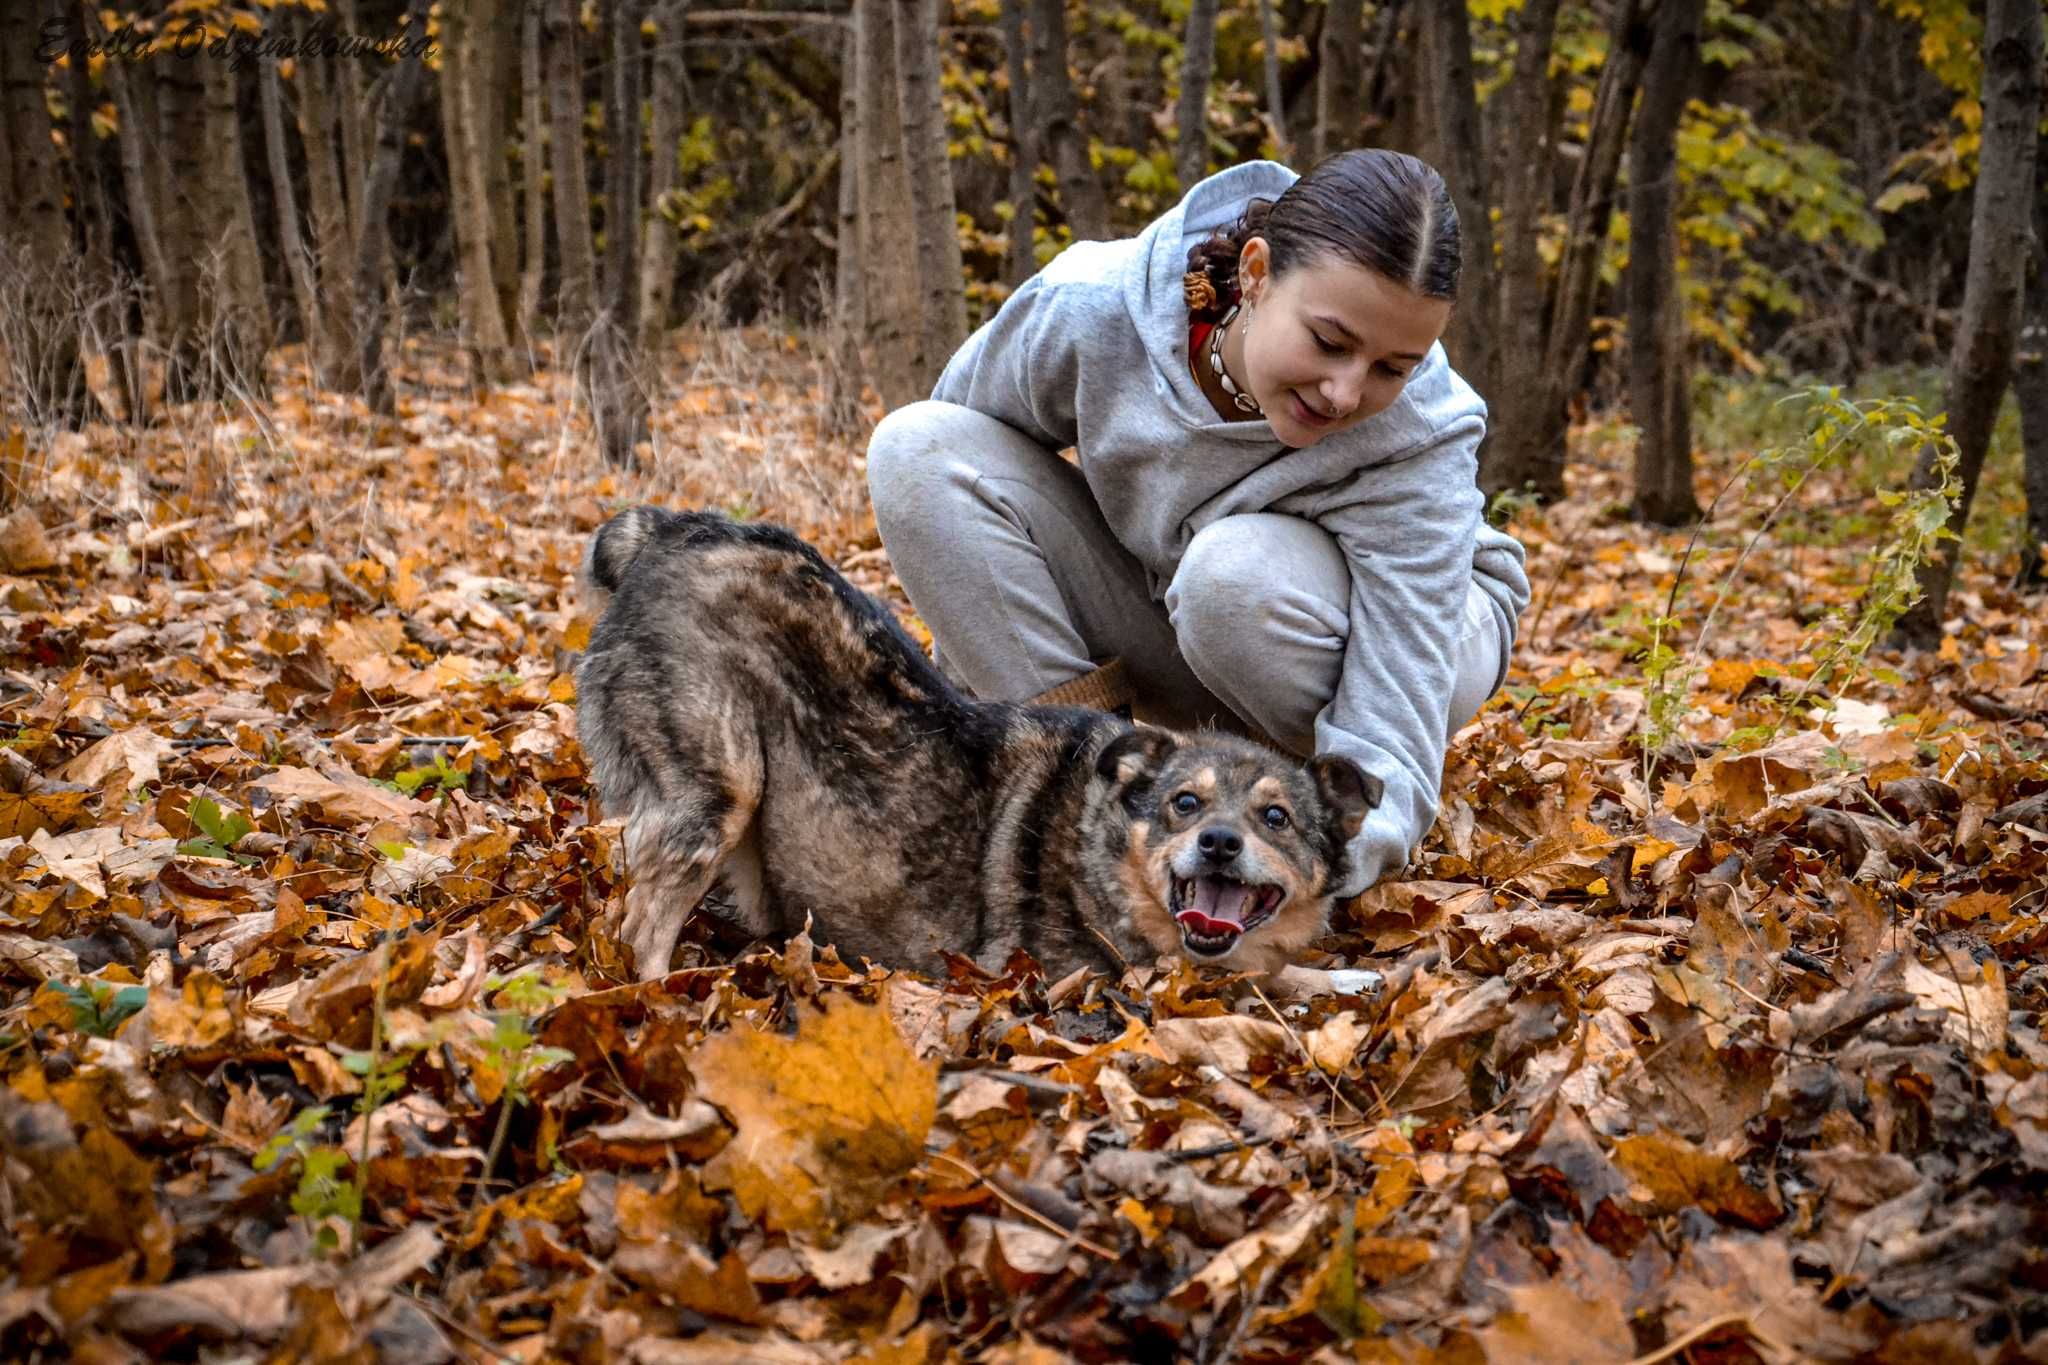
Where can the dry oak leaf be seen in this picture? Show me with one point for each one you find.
(827, 1121)
(341, 798)
(1738, 1273)
(1970, 997)
(1552, 1321)
(140, 751)
(1669, 1173)
(1252, 1257)
(336, 1005)
(198, 1016)
(84, 1184)
(220, 1307)
(1228, 1042)
(24, 545)
(76, 857)
(36, 958)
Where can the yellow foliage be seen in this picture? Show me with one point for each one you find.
(827, 1121)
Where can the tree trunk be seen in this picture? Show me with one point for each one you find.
(34, 207)
(105, 322)
(1383, 108)
(1397, 91)
(334, 247)
(401, 97)
(1528, 442)
(847, 376)
(617, 400)
(233, 224)
(141, 191)
(576, 295)
(353, 102)
(1529, 158)
(44, 368)
(1980, 364)
(181, 132)
(1197, 69)
(291, 238)
(888, 226)
(1276, 107)
(942, 306)
(494, 72)
(1470, 342)
(665, 98)
(1021, 260)
(1340, 89)
(1428, 120)
(9, 204)
(2030, 387)
(533, 173)
(1659, 370)
(1059, 109)
(463, 69)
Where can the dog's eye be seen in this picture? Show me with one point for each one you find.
(1276, 818)
(1185, 803)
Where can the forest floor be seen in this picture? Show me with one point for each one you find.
(315, 1047)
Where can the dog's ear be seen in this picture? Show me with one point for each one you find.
(1129, 761)
(1348, 792)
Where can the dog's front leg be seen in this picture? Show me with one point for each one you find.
(1303, 983)
(673, 858)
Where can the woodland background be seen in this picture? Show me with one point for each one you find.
(1711, 1020)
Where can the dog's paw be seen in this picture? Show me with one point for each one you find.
(1306, 983)
(650, 930)
(1355, 981)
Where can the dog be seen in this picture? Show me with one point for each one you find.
(766, 728)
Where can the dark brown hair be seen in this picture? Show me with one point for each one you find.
(1386, 211)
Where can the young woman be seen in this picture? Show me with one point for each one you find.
(1273, 525)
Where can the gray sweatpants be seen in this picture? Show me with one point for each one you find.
(1002, 550)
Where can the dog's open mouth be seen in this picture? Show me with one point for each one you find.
(1213, 911)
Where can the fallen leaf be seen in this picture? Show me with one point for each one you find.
(1228, 1042)
(343, 798)
(1670, 1174)
(140, 751)
(827, 1121)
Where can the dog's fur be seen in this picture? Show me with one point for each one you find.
(763, 725)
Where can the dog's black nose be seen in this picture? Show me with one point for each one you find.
(1219, 844)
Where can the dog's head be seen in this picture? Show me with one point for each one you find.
(1229, 848)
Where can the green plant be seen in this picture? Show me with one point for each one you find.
(100, 1007)
(1510, 504)
(439, 774)
(1919, 521)
(383, 1077)
(1835, 428)
(512, 1049)
(222, 832)
(380, 1077)
(322, 1195)
(1667, 689)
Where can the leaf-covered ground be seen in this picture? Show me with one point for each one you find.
(315, 1048)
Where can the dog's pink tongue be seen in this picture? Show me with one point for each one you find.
(1216, 906)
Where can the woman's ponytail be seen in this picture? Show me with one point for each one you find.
(1211, 281)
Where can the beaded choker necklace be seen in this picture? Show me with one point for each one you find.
(1245, 402)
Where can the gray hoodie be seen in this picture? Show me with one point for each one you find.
(1092, 352)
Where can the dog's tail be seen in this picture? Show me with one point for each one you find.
(612, 550)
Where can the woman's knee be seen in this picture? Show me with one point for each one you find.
(1250, 582)
(910, 459)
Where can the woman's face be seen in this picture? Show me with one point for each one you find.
(1331, 343)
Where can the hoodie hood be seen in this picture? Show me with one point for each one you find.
(1158, 306)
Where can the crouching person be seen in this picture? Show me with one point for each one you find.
(1273, 524)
